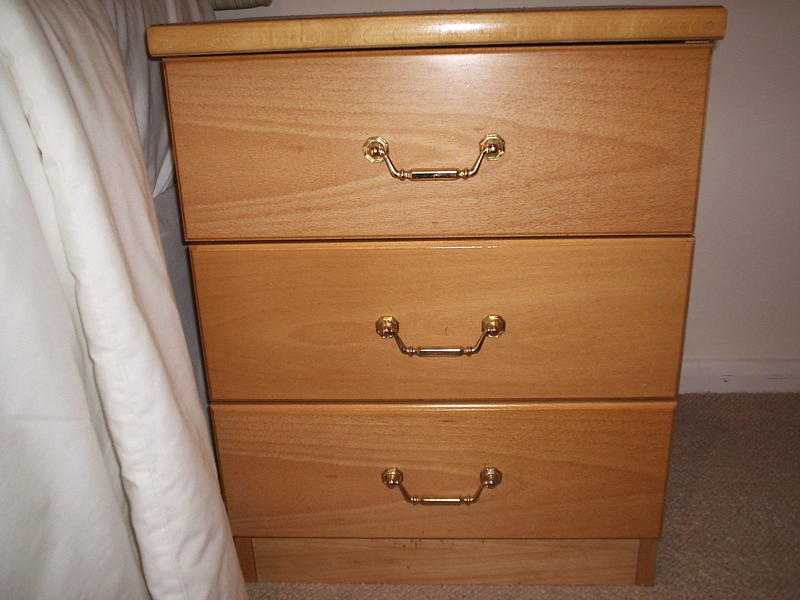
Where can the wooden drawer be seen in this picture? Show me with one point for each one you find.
(599, 140)
(570, 469)
(585, 318)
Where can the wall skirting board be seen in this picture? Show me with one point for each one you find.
(772, 375)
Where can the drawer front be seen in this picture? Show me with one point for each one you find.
(599, 140)
(437, 561)
(584, 318)
(569, 469)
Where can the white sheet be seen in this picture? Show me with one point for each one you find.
(130, 19)
(104, 448)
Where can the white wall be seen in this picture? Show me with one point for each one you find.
(743, 330)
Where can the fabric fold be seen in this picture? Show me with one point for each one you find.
(96, 377)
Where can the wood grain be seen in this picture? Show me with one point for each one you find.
(571, 562)
(646, 562)
(244, 551)
(586, 318)
(599, 140)
(570, 469)
(449, 29)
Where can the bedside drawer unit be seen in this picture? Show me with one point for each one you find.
(441, 267)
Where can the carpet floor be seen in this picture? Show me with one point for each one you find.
(732, 523)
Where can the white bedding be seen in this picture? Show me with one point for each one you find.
(107, 476)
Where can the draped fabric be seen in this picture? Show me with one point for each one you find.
(130, 20)
(107, 476)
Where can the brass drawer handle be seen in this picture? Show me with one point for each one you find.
(389, 327)
(376, 149)
(490, 478)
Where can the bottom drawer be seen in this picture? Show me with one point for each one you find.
(569, 469)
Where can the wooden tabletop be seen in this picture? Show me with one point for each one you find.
(439, 29)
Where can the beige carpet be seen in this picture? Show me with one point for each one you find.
(732, 527)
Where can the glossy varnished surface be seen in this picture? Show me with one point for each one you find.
(602, 140)
(599, 140)
(585, 318)
(566, 562)
(570, 469)
(453, 29)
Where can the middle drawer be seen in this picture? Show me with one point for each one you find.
(585, 318)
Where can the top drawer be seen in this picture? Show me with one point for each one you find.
(599, 140)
